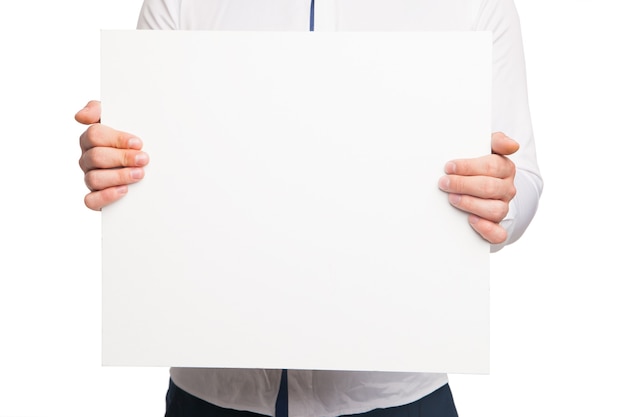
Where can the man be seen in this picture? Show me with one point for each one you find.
(500, 191)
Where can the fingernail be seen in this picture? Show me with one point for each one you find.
(141, 158)
(473, 219)
(122, 189)
(450, 168)
(136, 173)
(134, 143)
(444, 183)
(454, 199)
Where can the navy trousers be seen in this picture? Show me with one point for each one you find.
(437, 404)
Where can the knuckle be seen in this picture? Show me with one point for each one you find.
(499, 211)
(123, 177)
(512, 192)
(81, 163)
(510, 168)
(458, 184)
(490, 188)
(95, 157)
(127, 158)
(93, 180)
(93, 133)
(493, 166)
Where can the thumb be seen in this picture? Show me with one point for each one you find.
(501, 144)
(90, 114)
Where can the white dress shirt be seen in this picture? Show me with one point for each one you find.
(333, 393)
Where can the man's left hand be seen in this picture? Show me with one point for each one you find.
(483, 187)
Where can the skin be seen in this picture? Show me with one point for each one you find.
(110, 159)
(482, 187)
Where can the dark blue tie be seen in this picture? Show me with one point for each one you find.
(282, 401)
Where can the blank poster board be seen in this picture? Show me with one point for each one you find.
(290, 215)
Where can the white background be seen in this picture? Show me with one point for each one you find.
(558, 314)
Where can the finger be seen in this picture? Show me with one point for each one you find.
(105, 136)
(490, 231)
(101, 179)
(489, 165)
(89, 114)
(105, 158)
(501, 144)
(478, 186)
(492, 210)
(98, 199)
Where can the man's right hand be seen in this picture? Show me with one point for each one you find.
(110, 159)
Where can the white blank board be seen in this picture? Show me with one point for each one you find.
(290, 215)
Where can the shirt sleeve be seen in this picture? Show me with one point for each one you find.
(159, 14)
(510, 111)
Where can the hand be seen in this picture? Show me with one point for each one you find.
(483, 187)
(110, 159)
